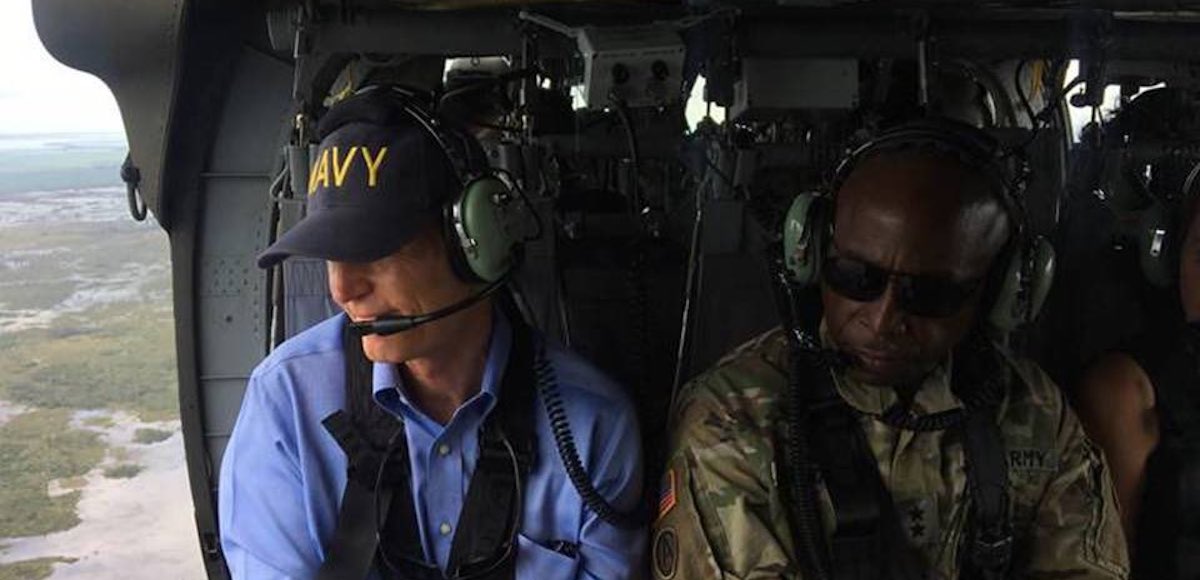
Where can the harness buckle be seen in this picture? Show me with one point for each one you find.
(992, 554)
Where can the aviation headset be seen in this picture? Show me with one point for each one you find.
(1162, 229)
(1028, 262)
(1162, 212)
(481, 222)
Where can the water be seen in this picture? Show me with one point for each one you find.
(64, 207)
(61, 141)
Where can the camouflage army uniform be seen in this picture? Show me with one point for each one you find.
(721, 514)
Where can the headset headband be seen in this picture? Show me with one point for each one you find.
(971, 146)
(410, 101)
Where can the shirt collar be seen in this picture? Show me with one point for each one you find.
(933, 396)
(387, 376)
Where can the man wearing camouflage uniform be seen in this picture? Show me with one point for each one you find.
(906, 215)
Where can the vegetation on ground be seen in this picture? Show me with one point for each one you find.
(125, 361)
(147, 436)
(36, 448)
(122, 471)
(72, 483)
(100, 421)
(31, 569)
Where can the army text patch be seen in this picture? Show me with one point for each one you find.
(1032, 459)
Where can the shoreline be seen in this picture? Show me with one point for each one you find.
(156, 498)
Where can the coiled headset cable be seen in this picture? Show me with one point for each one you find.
(560, 426)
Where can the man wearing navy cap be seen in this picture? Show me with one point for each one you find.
(444, 461)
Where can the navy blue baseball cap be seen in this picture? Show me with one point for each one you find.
(377, 179)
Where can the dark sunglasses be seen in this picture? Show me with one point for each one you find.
(924, 295)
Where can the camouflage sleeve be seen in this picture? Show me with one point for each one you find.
(719, 513)
(1077, 532)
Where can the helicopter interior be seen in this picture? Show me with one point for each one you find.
(659, 145)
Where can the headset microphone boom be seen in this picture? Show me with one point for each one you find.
(393, 324)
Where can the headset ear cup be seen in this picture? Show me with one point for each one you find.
(1021, 293)
(484, 224)
(1153, 245)
(1041, 276)
(454, 244)
(804, 230)
(1005, 315)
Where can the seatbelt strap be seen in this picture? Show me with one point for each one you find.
(867, 542)
(351, 553)
(842, 458)
(984, 374)
(497, 481)
(990, 548)
(367, 441)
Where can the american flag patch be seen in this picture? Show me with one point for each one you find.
(666, 497)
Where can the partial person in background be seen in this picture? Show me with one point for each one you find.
(1142, 406)
(428, 431)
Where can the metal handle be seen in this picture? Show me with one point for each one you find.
(132, 178)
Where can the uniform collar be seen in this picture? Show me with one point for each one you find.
(387, 377)
(933, 396)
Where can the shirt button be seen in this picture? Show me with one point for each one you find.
(444, 528)
(443, 450)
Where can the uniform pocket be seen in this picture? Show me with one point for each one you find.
(535, 560)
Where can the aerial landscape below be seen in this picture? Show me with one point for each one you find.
(93, 481)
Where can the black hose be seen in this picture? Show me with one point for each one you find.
(691, 295)
(1033, 118)
(800, 469)
(631, 136)
(1036, 120)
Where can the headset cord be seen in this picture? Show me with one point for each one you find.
(799, 468)
(979, 391)
(802, 469)
(560, 426)
(898, 416)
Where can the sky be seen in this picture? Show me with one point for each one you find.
(41, 95)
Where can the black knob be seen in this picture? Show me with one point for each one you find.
(620, 74)
(659, 70)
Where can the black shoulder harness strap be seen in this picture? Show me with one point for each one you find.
(867, 542)
(989, 552)
(825, 440)
(483, 541)
(981, 378)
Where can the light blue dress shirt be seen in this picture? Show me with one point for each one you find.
(282, 475)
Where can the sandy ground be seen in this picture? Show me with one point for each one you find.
(132, 529)
(9, 410)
